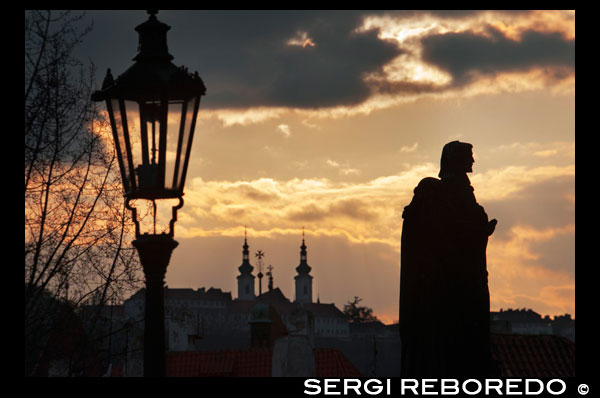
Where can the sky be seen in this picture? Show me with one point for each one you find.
(327, 120)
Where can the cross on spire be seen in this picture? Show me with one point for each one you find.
(259, 254)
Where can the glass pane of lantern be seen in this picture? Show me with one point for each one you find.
(185, 141)
(173, 126)
(132, 110)
(122, 147)
(151, 111)
(148, 171)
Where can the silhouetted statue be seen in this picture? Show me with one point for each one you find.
(444, 296)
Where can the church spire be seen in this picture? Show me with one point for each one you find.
(303, 268)
(303, 279)
(245, 278)
(245, 252)
(245, 267)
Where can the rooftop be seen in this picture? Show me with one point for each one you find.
(533, 356)
(329, 362)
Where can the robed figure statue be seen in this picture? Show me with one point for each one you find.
(444, 296)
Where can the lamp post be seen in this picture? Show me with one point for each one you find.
(152, 108)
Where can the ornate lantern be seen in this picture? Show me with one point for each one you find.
(152, 108)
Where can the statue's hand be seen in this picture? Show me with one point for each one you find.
(492, 226)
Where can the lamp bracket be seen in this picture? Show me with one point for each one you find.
(137, 223)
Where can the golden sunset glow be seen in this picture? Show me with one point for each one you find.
(280, 145)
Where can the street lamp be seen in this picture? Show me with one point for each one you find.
(152, 108)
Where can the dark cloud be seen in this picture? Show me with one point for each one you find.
(405, 87)
(308, 212)
(350, 208)
(260, 68)
(353, 208)
(249, 192)
(557, 254)
(243, 57)
(462, 54)
(541, 205)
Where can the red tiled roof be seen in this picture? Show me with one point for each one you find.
(329, 362)
(190, 364)
(533, 355)
(219, 363)
(253, 363)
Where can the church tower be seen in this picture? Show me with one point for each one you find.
(245, 278)
(303, 279)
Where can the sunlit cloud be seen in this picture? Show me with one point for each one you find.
(517, 273)
(498, 184)
(302, 40)
(344, 168)
(362, 212)
(284, 129)
(408, 68)
(539, 149)
(411, 71)
(409, 149)
(231, 117)
(307, 123)
(514, 82)
(408, 77)
(368, 211)
(406, 28)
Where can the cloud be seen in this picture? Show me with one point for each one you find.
(308, 60)
(285, 130)
(448, 50)
(353, 208)
(307, 123)
(371, 210)
(344, 168)
(530, 261)
(360, 212)
(500, 184)
(409, 149)
(520, 270)
(548, 203)
(467, 55)
(301, 39)
(303, 59)
(387, 94)
(538, 149)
